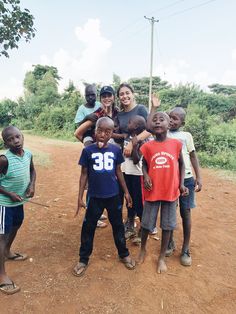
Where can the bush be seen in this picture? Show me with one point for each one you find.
(223, 159)
(1, 144)
(198, 122)
(222, 137)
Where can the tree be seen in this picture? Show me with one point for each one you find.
(15, 24)
(141, 87)
(41, 89)
(116, 81)
(7, 111)
(223, 89)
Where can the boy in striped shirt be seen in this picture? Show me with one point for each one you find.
(17, 183)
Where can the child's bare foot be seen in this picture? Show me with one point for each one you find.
(141, 256)
(161, 266)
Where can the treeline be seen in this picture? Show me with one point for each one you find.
(210, 116)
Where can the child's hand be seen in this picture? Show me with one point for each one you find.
(183, 190)
(147, 183)
(29, 192)
(80, 204)
(128, 150)
(15, 197)
(128, 200)
(198, 185)
(156, 102)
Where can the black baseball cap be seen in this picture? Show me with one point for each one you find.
(107, 89)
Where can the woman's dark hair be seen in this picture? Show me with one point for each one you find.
(124, 85)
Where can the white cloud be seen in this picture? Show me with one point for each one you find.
(229, 75)
(233, 54)
(179, 71)
(11, 89)
(174, 72)
(84, 64)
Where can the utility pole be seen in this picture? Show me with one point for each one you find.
(152, 20)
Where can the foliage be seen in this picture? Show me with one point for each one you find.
(141, 87)
(198, 123)
(7, 111)
(116, 81)
(15, 24)
(215, 104)
(181, 95)
(1, 144)
(222, 160)
(222, 89)
(210, 116)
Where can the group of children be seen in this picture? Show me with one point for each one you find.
(158, 174)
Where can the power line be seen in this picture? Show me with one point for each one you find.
(139, 19)
(188, 9)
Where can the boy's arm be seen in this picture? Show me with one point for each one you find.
(121, 180)
(3, 169)
(145, 134)
(182, 188)
(79, 133)
(140, 137)
(135, 152)
(31, 188)
(196, 168)
(82, 184)
(147, 182)
(156, 103)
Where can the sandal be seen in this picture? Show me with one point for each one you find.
(101, 224)
(129, 234)
(17, 257)
(9, 288)
(128, 262)
(79, 269)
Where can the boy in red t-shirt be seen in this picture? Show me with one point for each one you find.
(163, 171)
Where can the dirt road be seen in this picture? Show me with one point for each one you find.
(50, 236)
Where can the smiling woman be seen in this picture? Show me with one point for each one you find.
(129, 107)
(107, 109)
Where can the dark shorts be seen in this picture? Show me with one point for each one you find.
(10, 217)
(187, 202)
(168, 215)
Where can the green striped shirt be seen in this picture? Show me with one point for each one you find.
(17, 178)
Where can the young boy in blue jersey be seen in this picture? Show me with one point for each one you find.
(177, 119)
(101, 167)
(17, 183)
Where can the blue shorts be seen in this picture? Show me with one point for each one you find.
(187, 202)
(10, 217)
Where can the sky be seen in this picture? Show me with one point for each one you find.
(194, 42)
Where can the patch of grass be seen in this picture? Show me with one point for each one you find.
(226, 174)
(40, 158)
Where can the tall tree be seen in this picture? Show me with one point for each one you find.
(141, 87)
(15, 24)
(223, 89)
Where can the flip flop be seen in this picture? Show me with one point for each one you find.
(80, 269)
(101, 224)
(129, 263)
(9, 288)
(17, 257)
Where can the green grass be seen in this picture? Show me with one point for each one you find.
(40, 158)
(226, 174)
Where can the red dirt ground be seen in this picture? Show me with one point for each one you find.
(51, 236)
